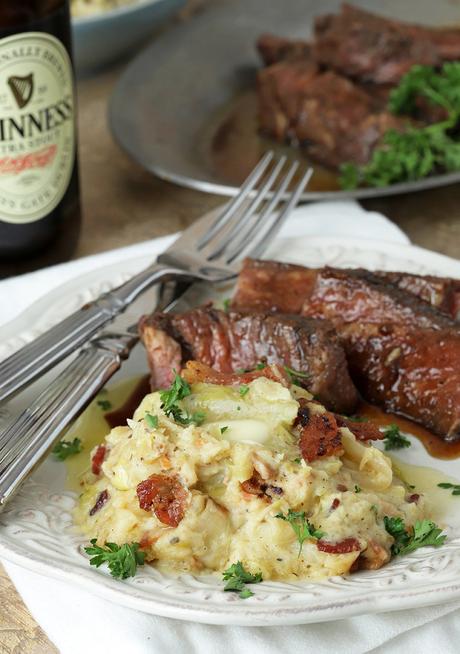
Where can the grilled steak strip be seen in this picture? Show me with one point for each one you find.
(284, 287)
(372, 48)
(238, 340)
(403, 354)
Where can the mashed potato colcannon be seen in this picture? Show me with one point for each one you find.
(244, 469)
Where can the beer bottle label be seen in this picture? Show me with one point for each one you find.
(37, 129)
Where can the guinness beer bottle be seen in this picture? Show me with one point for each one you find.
(39, 195)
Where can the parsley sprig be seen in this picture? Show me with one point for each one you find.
(424, 533)
(170, 398)
(64, 449)
(454, 487)
(417, 151)
(295, 375)
(237, 577)
(302, 528)
(393, 439)
(122, 560)
(151, 421)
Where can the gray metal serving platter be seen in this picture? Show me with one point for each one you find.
(170, 92)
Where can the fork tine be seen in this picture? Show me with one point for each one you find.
(241, 221)
(269, 221)
(232, 207)
(256, 249)
(245, 236)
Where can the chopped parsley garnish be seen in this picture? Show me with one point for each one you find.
(226, 304)
(169, 403)
(64, 449)
(417, 151)
(244, 390)
(237, 578)
(423, 534)
(454, 487)
(151, 420)
(393, 439)
(303, 529)
(357, 488)
(223, 430)
(260, 366)
(122, 560)
(295, 375)
(104, 404)
(298, 460)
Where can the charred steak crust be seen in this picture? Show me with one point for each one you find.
(238, 340)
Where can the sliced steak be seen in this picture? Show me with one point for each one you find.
(236, 340)
(284, 287)
(273, 49)
(403, 353)
(372, 48)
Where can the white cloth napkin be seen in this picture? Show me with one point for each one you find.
(79, 622)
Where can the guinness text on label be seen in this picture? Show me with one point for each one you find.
(37, 136)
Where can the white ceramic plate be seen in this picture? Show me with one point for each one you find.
(36, 529)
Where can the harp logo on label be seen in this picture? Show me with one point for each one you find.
(37, 139)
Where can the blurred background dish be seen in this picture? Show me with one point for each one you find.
(106, 30)
(204, 133)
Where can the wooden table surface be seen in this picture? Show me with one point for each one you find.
(123, 204)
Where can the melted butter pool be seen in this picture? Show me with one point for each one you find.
(94, 424)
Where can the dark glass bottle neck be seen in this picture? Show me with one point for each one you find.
(20, 13)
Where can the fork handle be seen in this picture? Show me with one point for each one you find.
(34, 359)
(28, 438)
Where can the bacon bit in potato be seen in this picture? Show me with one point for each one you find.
(363, 431)
(165, 495)
(319, 433)
(101, 500)
(373, 557)
(257, 486)
(335, 504)
(195, 372)
(342, 547)
(98, 459)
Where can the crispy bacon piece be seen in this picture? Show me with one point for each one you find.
(319, 433)
(335, 503)
(342, 547)
(255, 485)
(98, 459)
(165, 495)
(363, 431)
(101, 500)
(195, 372)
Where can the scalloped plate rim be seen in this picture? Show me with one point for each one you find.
(252, 612)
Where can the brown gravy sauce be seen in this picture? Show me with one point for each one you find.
(233, 146)
(434, 445)
(120, 415)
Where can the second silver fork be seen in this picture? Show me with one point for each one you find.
(27, 439)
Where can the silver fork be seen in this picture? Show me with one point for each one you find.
(27, 439)
(207, 251)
